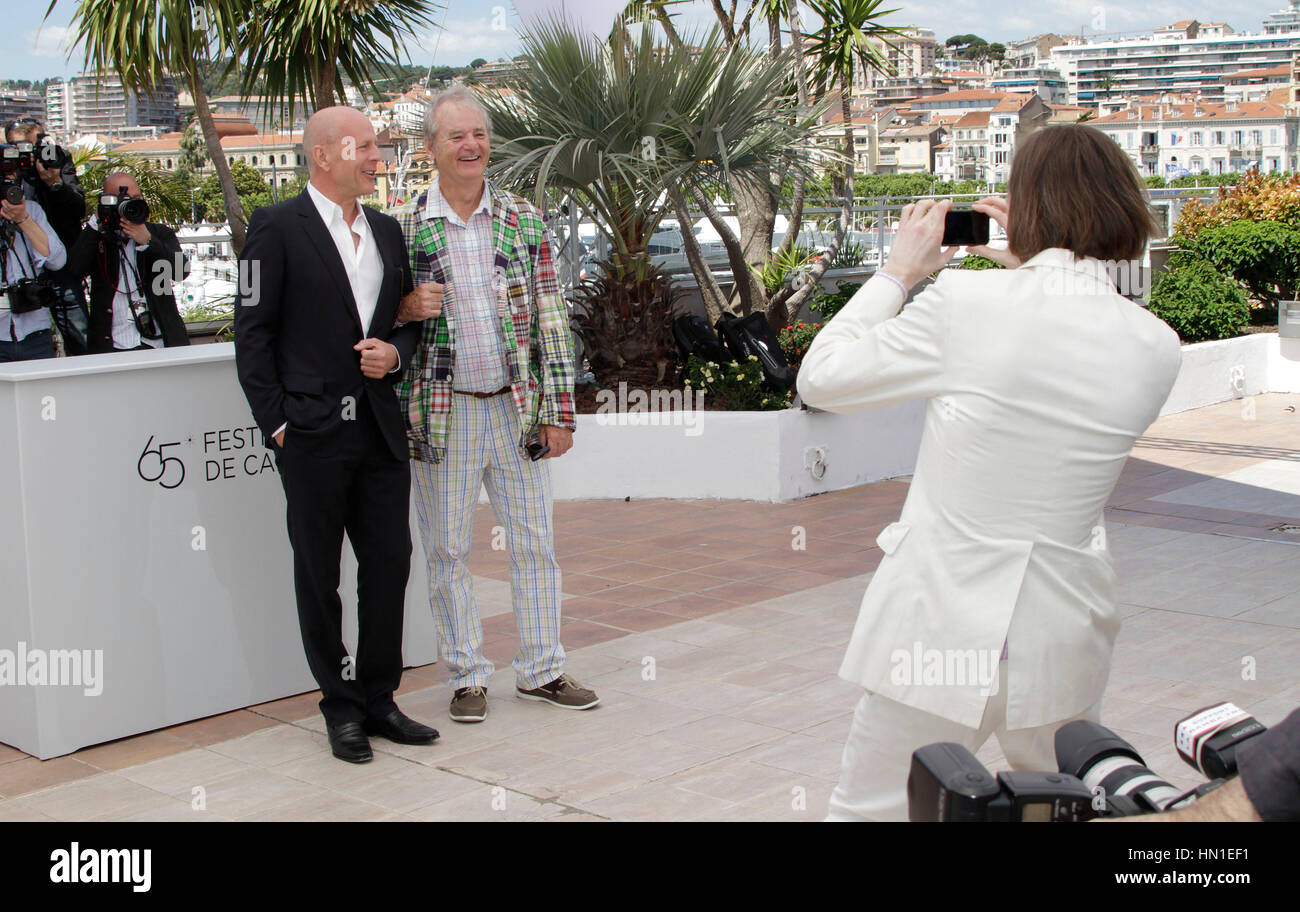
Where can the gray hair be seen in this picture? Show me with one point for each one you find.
(459, 95)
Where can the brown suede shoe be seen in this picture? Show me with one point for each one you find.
(564, 692)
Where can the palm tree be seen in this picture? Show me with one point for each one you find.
(630, 129)
(303, 48)
(143, 40)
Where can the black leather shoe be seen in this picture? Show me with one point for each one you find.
(401, 729)
(348, 742)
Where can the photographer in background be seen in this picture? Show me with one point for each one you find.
(49, 176)
(27, 245)
(132, 264)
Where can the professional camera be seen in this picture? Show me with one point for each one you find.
(50, 154)
(1100, 774)
(115, 208)
(11, 167)
(27, 295)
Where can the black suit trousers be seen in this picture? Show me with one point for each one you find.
(363, 491)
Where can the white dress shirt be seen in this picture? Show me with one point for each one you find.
(356, 246)
(20, 259)
(126, 335)
(472, 302)
(360, 254)
(1039, 379)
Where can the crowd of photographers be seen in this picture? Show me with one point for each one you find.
(51, 249)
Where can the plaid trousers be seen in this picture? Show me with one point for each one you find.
(482, 449)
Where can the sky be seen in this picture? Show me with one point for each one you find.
(491, 28)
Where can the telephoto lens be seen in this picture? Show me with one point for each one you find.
(1208, 739)
(1110, 767)
(133, 210)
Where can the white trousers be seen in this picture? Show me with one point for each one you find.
(878, 754)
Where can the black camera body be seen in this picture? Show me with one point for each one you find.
(27, 295)
(948, 784)
(11, 171)
(115, 208)
(1101, 774)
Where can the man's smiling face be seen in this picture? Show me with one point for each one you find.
(461, 147)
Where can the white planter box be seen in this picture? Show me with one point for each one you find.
(736, 455)
(1234, 368)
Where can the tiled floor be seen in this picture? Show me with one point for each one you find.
(713, 641)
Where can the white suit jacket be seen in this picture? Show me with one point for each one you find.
(1039, 379)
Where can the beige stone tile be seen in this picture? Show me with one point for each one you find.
(657, 801)
(574, 783)
(253, 791)
(801, 754)
(498, 763)
(179, 774)
(489, 803)
(722, 733)
(104, 797)
(654, 757)
(328, 772)
(15, 810)
(403, 789)
(273, 745)
(327, 806)
(737, 780)
(31, 775)
(133, 751)
(711, 698)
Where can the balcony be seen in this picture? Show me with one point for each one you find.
(1150, 151)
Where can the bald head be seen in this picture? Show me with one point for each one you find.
(342, 154)
(119, 179)
(329, 128)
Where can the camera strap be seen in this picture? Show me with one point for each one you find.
(125, 260)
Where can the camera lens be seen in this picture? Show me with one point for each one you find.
(13, 194)
(134, 210)
(1105, 761)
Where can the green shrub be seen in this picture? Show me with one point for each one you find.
(734, 387)
(1264, 256)
(829, 303)
(1199, 302)
(778, 268)
(975, 261)
(795, 340)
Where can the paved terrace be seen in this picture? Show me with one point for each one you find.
(744, 718)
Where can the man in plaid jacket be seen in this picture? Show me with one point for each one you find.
(488, 398)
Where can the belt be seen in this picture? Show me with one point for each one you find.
(504, 389)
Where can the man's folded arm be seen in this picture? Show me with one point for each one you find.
(257, 322)
(866, 356)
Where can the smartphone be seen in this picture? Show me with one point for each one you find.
(965, 228)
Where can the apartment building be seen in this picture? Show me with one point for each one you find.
(1198, 136)
(912, 55)
(1031, 53)
(19, 103)
(1046, 83)
(98, 103)
(1184, 57)
(907, 149)
(1256, 84)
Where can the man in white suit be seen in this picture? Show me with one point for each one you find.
(993, 610)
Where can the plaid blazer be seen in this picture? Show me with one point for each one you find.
(534, 322)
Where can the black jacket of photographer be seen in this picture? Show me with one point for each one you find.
(64, 205)
(97, 255)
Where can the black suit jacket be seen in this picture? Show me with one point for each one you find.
(95, 256)
(296, 322)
